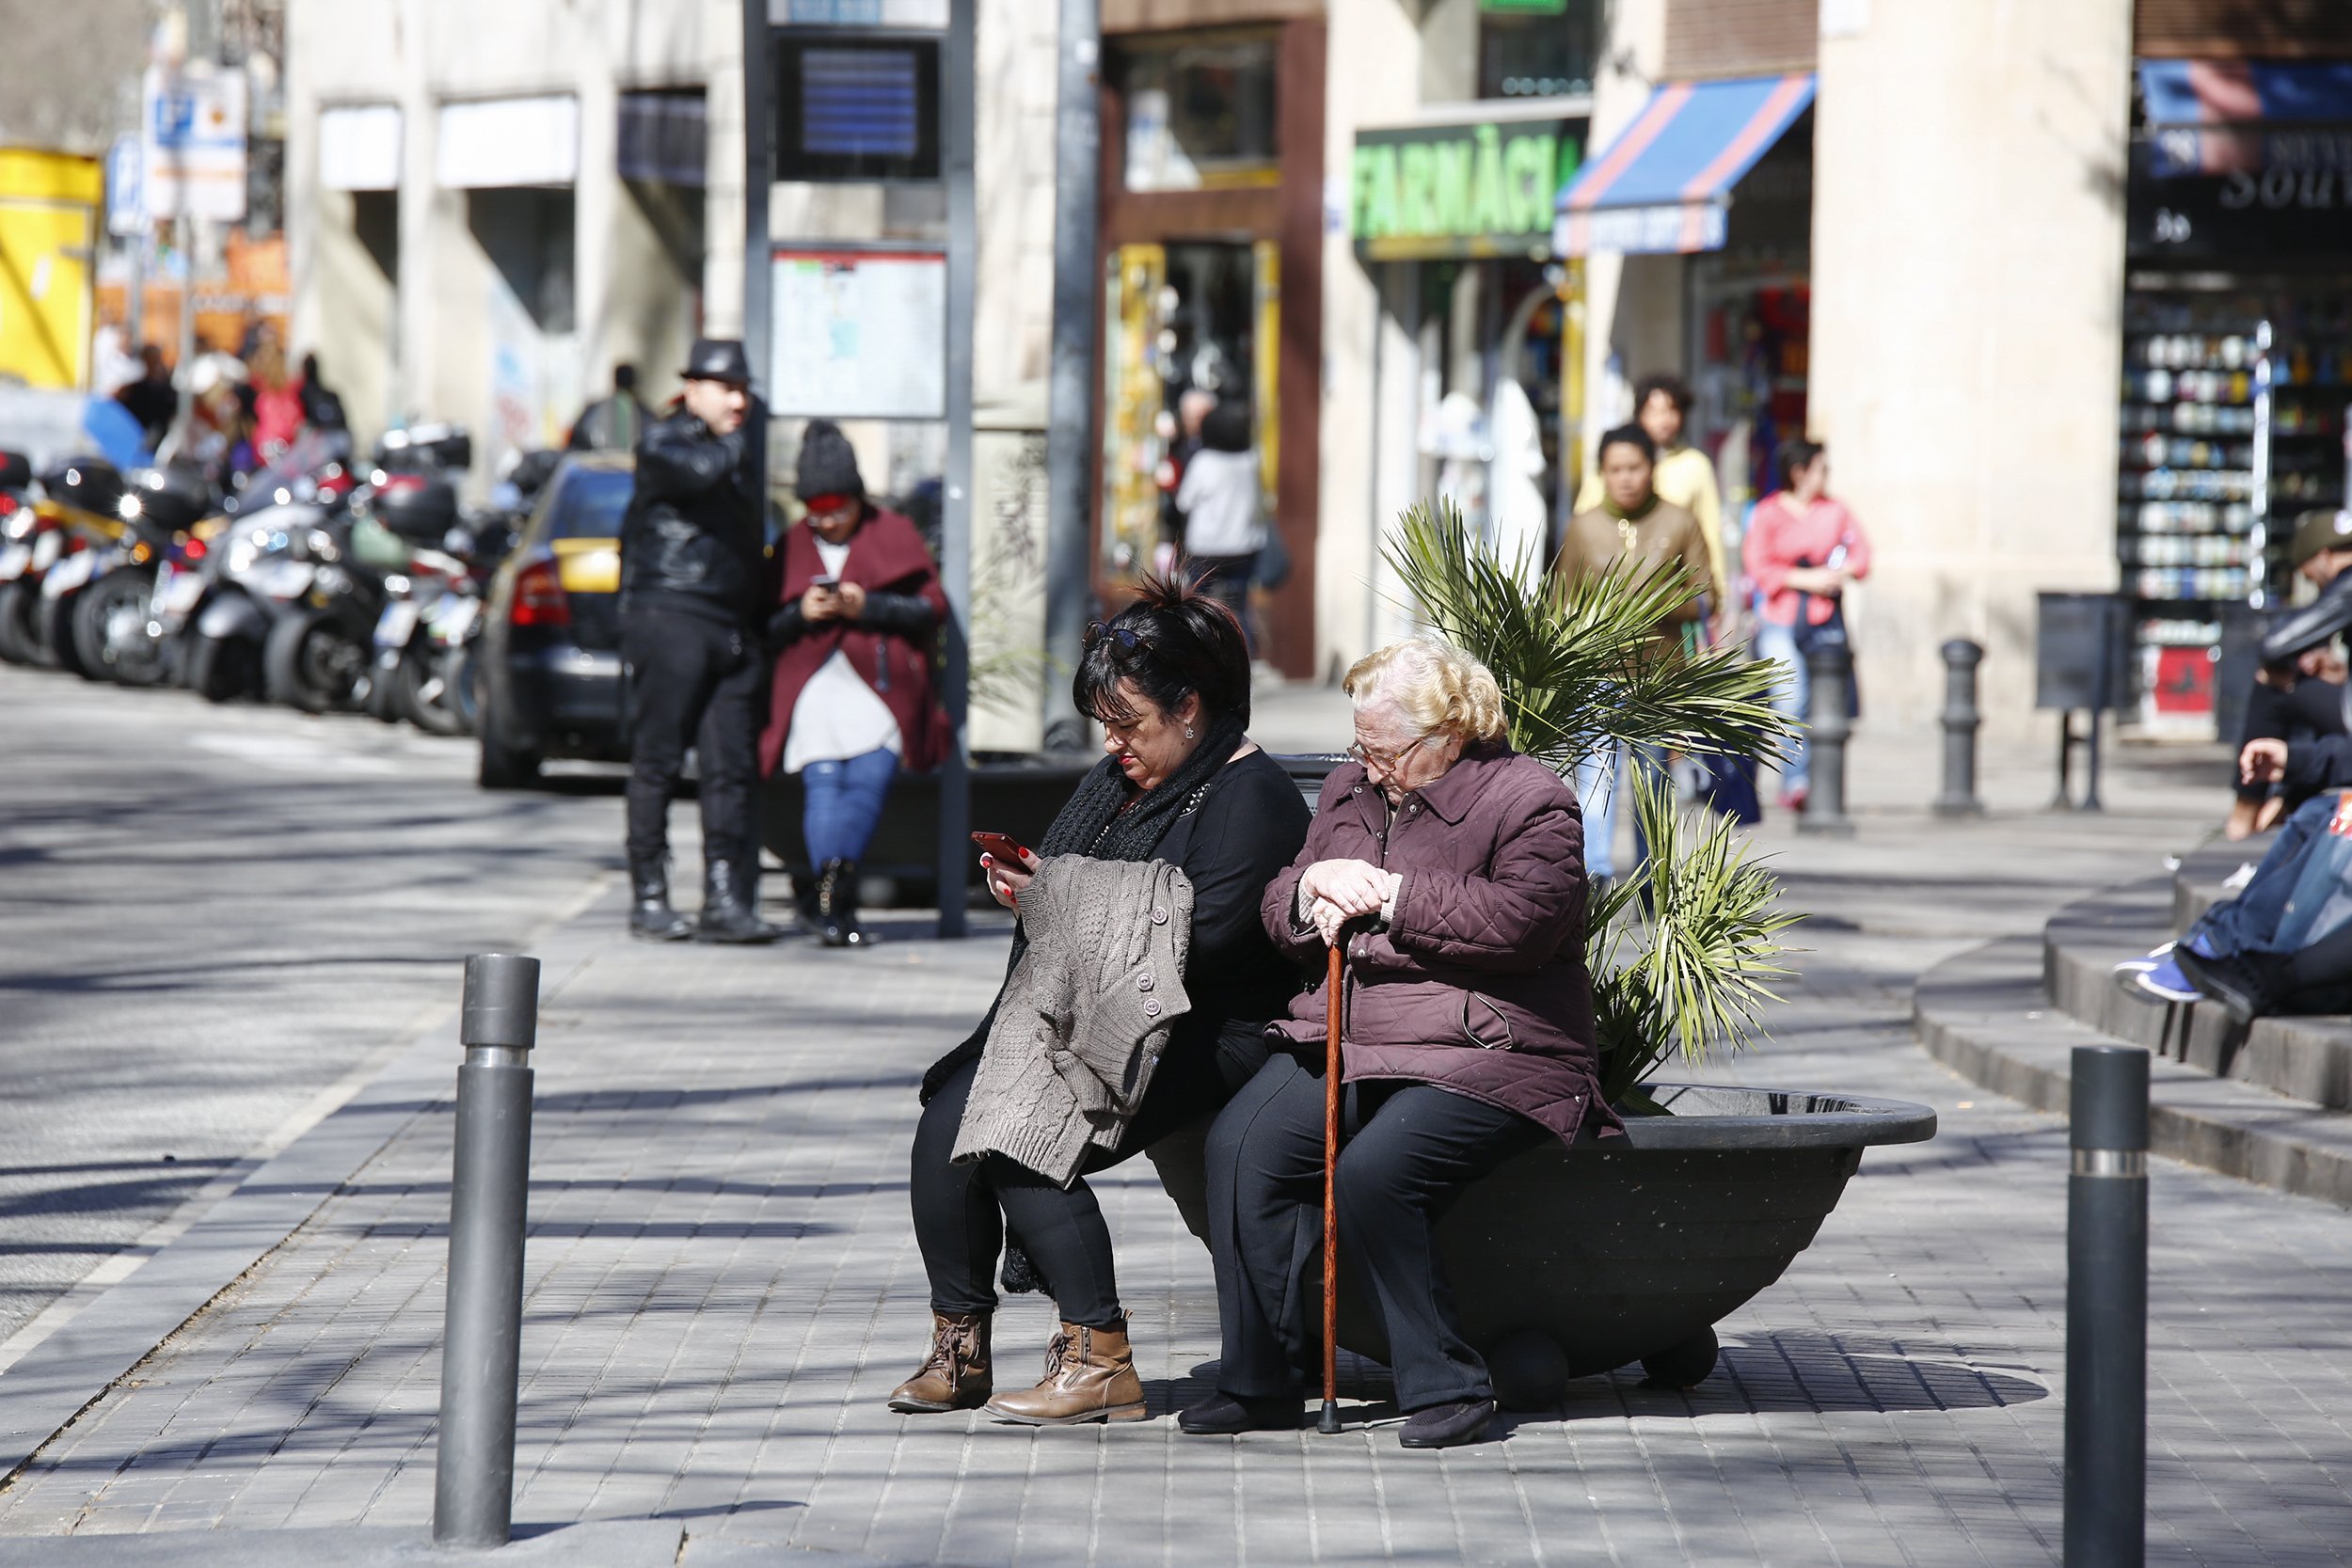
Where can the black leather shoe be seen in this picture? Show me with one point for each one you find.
(1222, 1414)
(1449, 1426)
(731, 908)
(2247, 988)
(650, 917)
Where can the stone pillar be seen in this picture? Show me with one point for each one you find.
(1967, 296)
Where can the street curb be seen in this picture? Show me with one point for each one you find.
(1986, 1015)
(74, 1367)
(596, 1544)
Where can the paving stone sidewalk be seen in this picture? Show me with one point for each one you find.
(722, 1289)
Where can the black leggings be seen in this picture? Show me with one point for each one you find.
(1409, 1150)
(962, 1211)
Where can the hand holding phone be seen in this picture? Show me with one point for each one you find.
(1004, 849)
(1007, 865)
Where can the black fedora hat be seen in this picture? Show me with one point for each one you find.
(718, 359)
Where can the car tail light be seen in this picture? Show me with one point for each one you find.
(539, 597)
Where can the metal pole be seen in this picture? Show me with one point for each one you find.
(759, 121)
(957, 130)
(2102, 695)
(474, 1476)
(1830, 666)
(2106, 1308)
(183, 233)
(1069, 417)
(1960, 718)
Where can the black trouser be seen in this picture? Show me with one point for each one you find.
(693, 682)
(962, 1211)
(1406, 1152)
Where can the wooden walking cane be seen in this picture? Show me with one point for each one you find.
(1330, 1418)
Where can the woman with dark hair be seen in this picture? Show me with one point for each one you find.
(1181, 791)
(1217, 498)
(1804, 550)
(1682, 474)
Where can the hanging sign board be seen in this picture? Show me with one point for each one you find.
(1478, 188)
(859, 334)
(193, 133)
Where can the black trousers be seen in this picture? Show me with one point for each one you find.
(962, 1211)
(1406, 1152)
(693, 682)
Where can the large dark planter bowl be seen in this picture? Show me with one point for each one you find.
(1566, 1261)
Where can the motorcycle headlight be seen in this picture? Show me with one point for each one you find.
(321, 544)
(20, 523)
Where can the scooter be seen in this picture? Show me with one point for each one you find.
(256, 574)
(83, 496)
(115, 629)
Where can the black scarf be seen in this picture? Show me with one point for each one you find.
(1108, 819)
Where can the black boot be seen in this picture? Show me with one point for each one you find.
(836, 906)
(650, 917)
(731, 906)
(805, 887)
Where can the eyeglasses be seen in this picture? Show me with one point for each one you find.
(1126, 637)
(1371, 759)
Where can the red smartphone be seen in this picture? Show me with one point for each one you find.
(1003, 847)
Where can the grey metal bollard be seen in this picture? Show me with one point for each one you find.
(1960, 718)
(1830, 669)
(474, 1476)
(2106, 1308)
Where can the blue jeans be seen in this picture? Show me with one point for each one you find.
(841, 802)
(1597, 781)
(2249, 921)
(1792, 697)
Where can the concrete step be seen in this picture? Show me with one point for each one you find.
(1984, 1014)
(2304, 1058)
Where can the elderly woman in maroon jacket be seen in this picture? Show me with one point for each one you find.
(859, 607)
(1452, 869)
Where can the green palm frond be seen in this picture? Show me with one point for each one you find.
(1684, 955)
(1581, 664)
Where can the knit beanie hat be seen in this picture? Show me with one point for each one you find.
(828, 463)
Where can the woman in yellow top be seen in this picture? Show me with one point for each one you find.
(1683, 475)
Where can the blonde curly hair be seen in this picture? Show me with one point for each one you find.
(1438, 686)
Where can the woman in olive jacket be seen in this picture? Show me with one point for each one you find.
(1452, 869)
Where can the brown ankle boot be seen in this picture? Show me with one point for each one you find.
(1090, 1376)
(954, 1376)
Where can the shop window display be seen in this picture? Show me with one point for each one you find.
(1200, 114)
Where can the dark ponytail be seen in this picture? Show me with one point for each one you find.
(1186, 645)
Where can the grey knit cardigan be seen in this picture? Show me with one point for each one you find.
(1084, 1016)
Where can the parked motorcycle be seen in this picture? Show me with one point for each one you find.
(257, 573)
(115, 629)
(19, 523)
(82, 497)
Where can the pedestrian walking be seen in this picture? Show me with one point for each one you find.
(612, 422)
(854, 635)
(1451, 867)
(1224, 528)
(1182, 824)
(151, 399)
(692, 567)
(1636, 533)
(1682, 475)
(1804, 550)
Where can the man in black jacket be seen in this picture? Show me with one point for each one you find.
(692, 567)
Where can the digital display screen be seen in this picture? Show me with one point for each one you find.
(859, 102)
(857, 108)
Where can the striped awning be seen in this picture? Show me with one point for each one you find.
(1664, 183)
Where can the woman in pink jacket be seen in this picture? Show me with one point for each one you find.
(1802, 550)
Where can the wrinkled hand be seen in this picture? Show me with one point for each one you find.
(1006, 883)
(819, 604)
(1338, 891)
(852, 598)
(2263, 761)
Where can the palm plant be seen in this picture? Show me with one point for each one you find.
(1683, 954)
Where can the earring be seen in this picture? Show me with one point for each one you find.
(1187, 731)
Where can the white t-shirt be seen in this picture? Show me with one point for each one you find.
(839, 716)
(1218, 498)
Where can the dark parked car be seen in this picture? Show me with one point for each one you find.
(550, 654)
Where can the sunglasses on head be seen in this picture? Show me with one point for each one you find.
(1126, 637)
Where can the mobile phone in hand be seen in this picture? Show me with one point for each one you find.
(1002, 847)
(828, 583)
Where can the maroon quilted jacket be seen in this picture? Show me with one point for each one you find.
(1479, 983)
